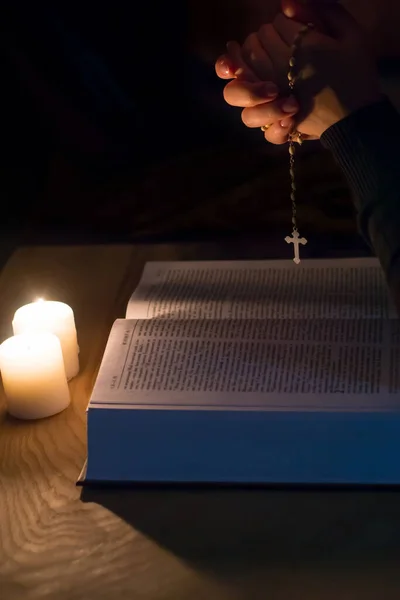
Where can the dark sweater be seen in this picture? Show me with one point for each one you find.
(366, 146)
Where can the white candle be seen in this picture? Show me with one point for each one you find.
(33, 374)
(53, 317)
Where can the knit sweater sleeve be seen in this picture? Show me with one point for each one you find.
(366, 146)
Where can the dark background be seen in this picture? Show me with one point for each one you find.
(113, 121)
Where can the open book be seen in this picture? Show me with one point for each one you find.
(250, 372)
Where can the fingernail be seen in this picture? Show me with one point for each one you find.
(289, 12)
(269, 90)
(290, 105)
(286, 123)
(224, 67)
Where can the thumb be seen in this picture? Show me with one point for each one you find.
(303, 11)
(296, 6)
(328, 16)
(293, 9)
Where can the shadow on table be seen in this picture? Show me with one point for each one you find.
(219, 529)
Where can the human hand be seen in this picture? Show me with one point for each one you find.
(337, 75)
(250, 64)
(249, 91)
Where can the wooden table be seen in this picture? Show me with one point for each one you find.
(162, 544)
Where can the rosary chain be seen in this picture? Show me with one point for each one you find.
(295, 136)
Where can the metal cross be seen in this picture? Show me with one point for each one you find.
(296, 240)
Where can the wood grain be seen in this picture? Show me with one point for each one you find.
(162, 544)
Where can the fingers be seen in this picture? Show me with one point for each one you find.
(232, 65)
(248, 94)
(293, 9)
(224, 68)
(262, 107)
(278, 52)
(288, 31)
(303, 13)
(278, 135)
(328, 16)
(256, 57)
(241, 69)
(286, 28)
(271, 113)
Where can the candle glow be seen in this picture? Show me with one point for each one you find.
(53, 317)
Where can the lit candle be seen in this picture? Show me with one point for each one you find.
(54, 317)
(33, 374)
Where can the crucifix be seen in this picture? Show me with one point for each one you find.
(296, 240)
(294, 137)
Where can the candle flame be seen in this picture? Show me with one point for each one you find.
(39, 300)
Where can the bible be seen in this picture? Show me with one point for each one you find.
(250, 372)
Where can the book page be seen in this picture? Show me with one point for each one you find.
(317, 289)
(322, 364)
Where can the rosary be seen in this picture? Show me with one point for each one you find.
(294, 137)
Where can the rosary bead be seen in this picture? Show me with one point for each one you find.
(294, 137)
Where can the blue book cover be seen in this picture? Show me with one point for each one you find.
(249, 373)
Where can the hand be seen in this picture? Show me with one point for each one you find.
(248, 90)
(338, 76)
